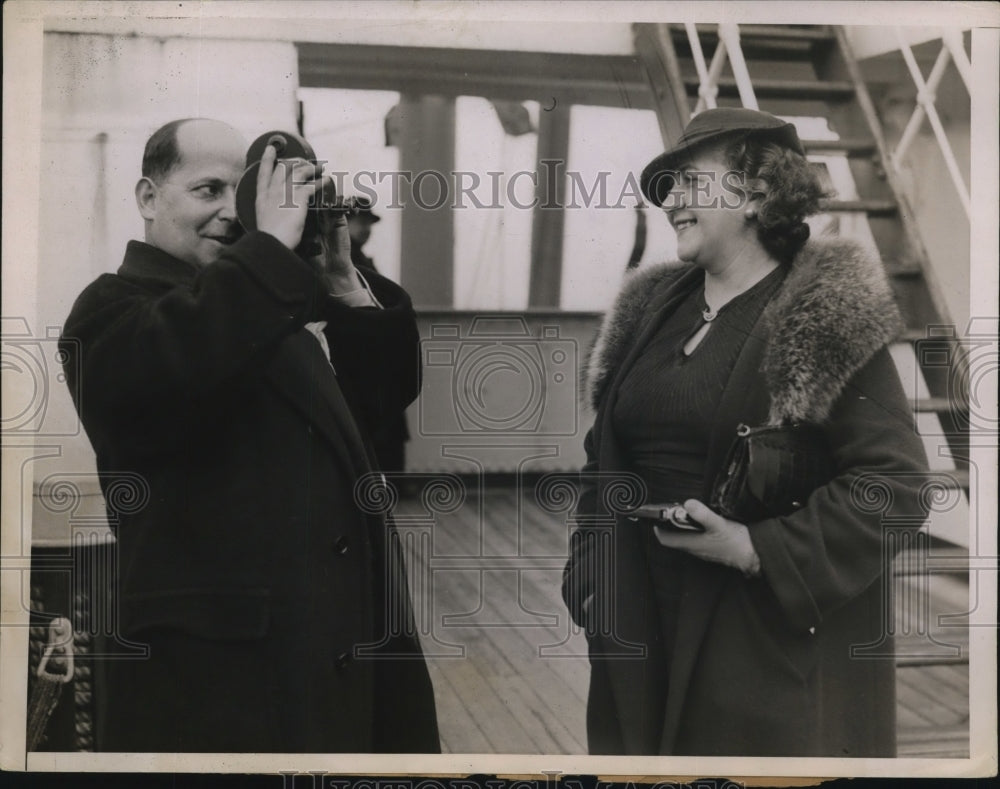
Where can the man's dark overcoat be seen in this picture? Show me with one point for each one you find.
(761, 666)
(249, 569)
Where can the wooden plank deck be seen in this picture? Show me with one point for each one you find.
(510, 673)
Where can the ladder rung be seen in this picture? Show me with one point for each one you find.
(903, 270)
(935, 734)
(956, 573)
(943, 742)
(758, 42)
(787, 32)
(781, 88)
(920, 335)
(915, 661)
(938, 559)
(936, 405)
(851, 146)
(870, 207)
(940, 550)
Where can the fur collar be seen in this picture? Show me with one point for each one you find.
(834, 310)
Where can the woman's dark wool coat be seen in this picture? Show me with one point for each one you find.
(773, 665)
(246, 565)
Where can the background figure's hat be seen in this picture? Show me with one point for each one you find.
(712, 126)
(364, 210)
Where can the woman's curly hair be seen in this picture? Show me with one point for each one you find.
(786, 186)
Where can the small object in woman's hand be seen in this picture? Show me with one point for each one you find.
(668, 516)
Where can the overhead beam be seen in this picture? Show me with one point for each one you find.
(548, 77)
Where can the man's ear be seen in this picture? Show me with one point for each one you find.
(145, 197)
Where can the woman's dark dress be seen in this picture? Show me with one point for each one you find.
(664, 416)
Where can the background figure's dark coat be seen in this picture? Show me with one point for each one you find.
(252, 572)
(761, 666)
(390, 435)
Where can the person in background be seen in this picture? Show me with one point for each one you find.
(737, 640)
(390, 437)
(359, 226)
(240, 382)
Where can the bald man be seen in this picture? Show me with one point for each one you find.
(241, 382)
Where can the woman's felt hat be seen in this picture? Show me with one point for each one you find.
(709, 127)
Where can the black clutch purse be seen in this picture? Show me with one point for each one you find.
(771, 471)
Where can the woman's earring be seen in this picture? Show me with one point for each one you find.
(750, 214)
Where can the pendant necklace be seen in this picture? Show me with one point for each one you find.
(708, 314)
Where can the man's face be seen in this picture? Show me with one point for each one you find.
(191, 212)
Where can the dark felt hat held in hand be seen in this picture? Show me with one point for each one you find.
(708, 127)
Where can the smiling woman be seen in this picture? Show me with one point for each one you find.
(711, 230)
(759, 326)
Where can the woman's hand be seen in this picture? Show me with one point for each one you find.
(723, 541)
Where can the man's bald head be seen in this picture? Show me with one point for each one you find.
(163, 152)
